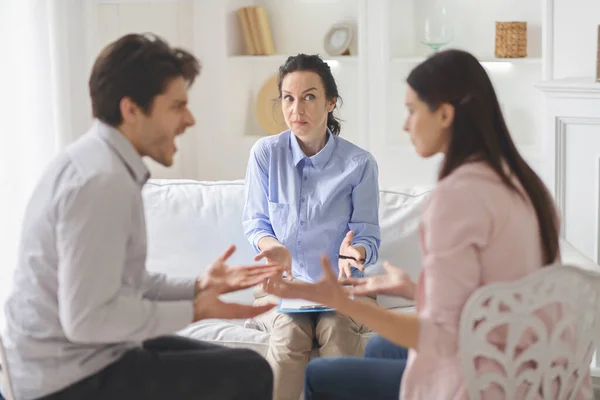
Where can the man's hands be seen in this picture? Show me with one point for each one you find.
(395, 282)
(227, 279)
(208, 305)
(219, 278)
(346, 249)
(275, 253)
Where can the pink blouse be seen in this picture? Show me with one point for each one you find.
(474, 231)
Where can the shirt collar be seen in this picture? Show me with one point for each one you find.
(125, 150)
(320, 159)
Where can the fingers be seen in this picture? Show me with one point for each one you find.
(252, 281)
(327, 271)
(230, 250)
(261, 255)
(250, 270)
(358, 266)
(348, 238)
(361, 290)
(389, 267)
(351, 281)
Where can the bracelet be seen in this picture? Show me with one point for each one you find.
(343, 257)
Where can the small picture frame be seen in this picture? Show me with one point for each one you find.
(338, 39)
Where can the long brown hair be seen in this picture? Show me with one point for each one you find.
(479, 132)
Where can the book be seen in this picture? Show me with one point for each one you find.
(244, 19)
(256, 30)
(264, 30)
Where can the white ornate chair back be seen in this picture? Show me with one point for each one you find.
(5, 385)
(533, 338)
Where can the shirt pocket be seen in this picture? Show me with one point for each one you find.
(279, 215)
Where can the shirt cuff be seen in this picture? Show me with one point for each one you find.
(178, 289)
(257, 239)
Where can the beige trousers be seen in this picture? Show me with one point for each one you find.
(292, 337)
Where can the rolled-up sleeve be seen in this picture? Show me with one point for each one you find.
(364, 221)
(92, 239)
(455, 225)
(255, 216)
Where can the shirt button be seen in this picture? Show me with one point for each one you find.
(301, 222)
(302, 200)
(305, 178)
(299, 242)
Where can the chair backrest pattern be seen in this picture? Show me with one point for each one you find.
(5, 385)
(532, 338)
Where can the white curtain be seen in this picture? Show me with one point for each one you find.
(43, 103)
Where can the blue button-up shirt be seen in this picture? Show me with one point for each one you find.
(310, 203)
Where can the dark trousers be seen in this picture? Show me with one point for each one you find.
(178, 368)
(376, 376)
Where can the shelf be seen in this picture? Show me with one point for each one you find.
(525, 60)
(280, 58)
(297, 26)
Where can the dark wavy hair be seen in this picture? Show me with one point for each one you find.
(479, 132)
(314, 63)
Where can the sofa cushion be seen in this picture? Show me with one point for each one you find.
(230, 334)
(190, 223)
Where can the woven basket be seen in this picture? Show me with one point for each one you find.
(511, 39)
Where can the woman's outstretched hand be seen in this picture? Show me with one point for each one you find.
(327, 290)
(395, 282)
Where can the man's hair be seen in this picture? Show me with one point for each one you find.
(139, 67)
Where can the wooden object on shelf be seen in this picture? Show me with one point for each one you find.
(256, 29)
(244, 18)
(511, 39)
(598, 57)
(268, 112)
(264, 29)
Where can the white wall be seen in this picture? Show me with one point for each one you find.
(221, 99)
(575, 37)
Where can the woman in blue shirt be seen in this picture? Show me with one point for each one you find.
(308, 193)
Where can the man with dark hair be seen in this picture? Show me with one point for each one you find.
(85, 319)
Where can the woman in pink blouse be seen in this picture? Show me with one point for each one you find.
(490, 219)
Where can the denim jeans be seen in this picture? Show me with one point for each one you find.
(376, 376)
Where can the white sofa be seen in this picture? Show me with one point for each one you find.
(190, 223)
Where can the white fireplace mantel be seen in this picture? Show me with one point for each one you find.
(571, 154)
(571, 87)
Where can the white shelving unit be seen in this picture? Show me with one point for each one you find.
(473, 25)
(371, 80)
(298, 26)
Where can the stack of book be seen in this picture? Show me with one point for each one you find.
(256, 30)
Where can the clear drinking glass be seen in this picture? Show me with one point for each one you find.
(437, 28)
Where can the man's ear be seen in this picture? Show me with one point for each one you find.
(129, 109)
